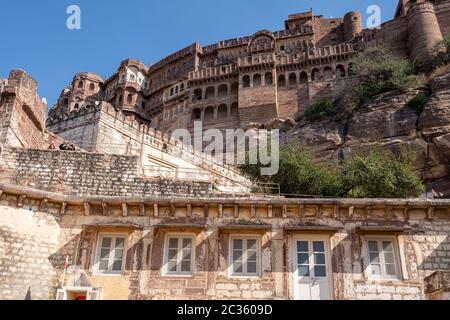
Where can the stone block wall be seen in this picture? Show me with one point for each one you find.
(27, 241)
(420, 229)
(22, 119)
(87, 174)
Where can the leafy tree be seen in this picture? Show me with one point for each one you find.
(376, 174)
(379, 71)
(320, 109)
(298, 174)
(380, 174)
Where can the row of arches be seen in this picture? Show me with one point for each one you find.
(81, 86)
(210, 113)
(293, 78)
(211, 92)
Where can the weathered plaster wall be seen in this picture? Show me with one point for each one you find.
(422, 234)
(27, 241)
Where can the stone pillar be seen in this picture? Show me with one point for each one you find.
(278, 267)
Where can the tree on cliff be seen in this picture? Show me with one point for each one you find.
(379, 70)
(376, 174)
(380, 174)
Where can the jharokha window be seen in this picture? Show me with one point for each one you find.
(110, 255)
(382, 258)
(179, 255)
(245, 252)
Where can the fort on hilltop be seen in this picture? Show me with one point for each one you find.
(132, 213)
(254, 79)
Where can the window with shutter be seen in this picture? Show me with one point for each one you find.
(382, 258)
(179, 255)
(110, 255)
(245, 253)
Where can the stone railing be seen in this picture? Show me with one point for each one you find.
(319, 53)
(257, 59)
(212, 72)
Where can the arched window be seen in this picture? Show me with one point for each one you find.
(257, 80)
(182, 87)
(315, 75)
(129, 98)
(209, 113)
(143, 105)
(80, 85)
(91, 87)
(223, 90)
(328, 73)
(268, 78)
(197, 96)
(210, 93)
(120, 100)
(76, 106)
(222, 111)
(196, 114)
(281, 80)
(235, 88)
(65, 101)
(340, 71)
(246, 81)
(303, 77)
(292, 79)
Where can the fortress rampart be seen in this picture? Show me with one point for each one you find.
(285, 69)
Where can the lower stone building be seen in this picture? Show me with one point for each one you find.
(68, 239)
(100, 225)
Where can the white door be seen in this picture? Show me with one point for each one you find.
(312, 272)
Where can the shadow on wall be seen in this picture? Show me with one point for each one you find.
(436, 249)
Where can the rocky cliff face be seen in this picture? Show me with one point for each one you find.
(387, 122)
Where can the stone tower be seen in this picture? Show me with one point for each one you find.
(352, 25)
(423, 30)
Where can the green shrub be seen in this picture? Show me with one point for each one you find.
(320, 109)
(380, 175)
(376, 174)
(297, 117)
(418, 103)
(441, 52)
(379, 71)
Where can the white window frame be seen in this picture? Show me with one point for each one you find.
(113, 236)
(91, 293)
(244, 238)
(397, 261)
(168, 236)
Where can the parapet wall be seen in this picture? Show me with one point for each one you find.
(104, 129)
(87, 174)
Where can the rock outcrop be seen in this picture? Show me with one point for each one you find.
(388, 123)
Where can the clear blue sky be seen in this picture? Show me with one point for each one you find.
(34, 36)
